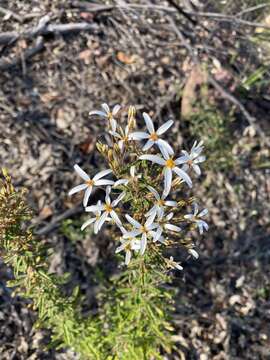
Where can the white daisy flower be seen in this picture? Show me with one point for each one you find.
(94, 220)
(89, 183)
(108, 114)
(196, 217)
(192, 159)
(107, 208)
(153, 136)
(128, 244)
(122, 135)
(164, 225)
(143, 230)
(133, 177)
(173, 264)
(160, 203)
(170, 166)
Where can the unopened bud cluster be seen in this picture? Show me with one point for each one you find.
(145, 187)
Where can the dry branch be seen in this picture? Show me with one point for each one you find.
(43, 28)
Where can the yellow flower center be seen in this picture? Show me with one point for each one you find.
(143, 229)
(190, 162)
(109, 116)
(161, 202)
(90, 182)
(108, 208)
(154, 136)
(170, 163)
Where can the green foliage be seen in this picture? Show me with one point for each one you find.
(131, 322)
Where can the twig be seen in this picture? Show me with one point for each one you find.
(253, 8)
(57, 220)
(11, 13)
(25, 56)
(176, 8)
(228, 18)
(43, 28)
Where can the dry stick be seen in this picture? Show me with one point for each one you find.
(11, 13)
(214, 16)
(226, 94)
(25, 55)
(56, 221)
(46, 29)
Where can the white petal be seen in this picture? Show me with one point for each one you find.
(116, 108)
(150, 220)
(102, 220)
(106, 108)
(115, 217)
(196, 208)
(118, 199)
(128, 257)
(104, 182)
(152, 210)
(132, 221)
(154, 192)
(101, 174)
(113, 124)
(88, 222)
(107, 197)
(200, 226)
(132, 171)
(123, 230)
(149, 123)
(173, 227)
(189, 216)
(178, 267)
(81, 173)
(197, 169)
(148, 145)
(154, 158)
(158, 234)
(77, 189)
(94, 208)
(160, 212)
(87, 195)
(138, 135)
(199, 159)
(194, 253)
(96, 226)
(132, 234)
(121, 144)
(167, 180)
(182, 159)
(121, 182)
(120, 248)
(170, 203)
(164, 147)
(163, 128)
(203, 213)
(183, 175)
(185, 167)
(169, 216)
(99, 113)
(143, 243)
(115, 134)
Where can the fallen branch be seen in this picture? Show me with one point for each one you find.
(39, 46)
(43, 28)
(58, 219)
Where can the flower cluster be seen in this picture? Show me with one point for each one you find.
(142, 193)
